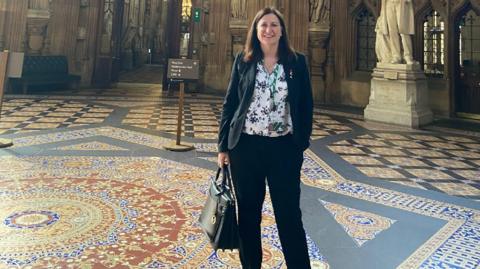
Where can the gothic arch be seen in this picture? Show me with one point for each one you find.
(461, 7)
(461, 92)
(354, 46)
(423, 7)
(361, 6)
(420, 13)
(419, 39)
(373, 6)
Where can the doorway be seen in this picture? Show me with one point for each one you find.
(468, 82)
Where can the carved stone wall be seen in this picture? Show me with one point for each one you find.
(70, 28)
(220, 41)
(322, 29)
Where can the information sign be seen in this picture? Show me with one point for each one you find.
(182, 69)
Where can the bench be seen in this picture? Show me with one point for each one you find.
(44, 70)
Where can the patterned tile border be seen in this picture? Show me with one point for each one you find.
(95, 145)
(148, 140)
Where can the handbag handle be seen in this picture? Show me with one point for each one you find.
(226, 178)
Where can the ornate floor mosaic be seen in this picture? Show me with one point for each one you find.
(444, 163)
(19, 115)
(104, 193)
(99, 212)
(148, 107)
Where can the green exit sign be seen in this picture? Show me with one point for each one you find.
(196, 14)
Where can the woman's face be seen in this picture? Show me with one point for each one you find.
(269, 30)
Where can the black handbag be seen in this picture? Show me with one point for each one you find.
(218, 218)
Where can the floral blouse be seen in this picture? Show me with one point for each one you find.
(269, 111)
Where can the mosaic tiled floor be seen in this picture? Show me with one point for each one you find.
(445, 163)
(19, 115)
(127, 211)
(200, 120)
(103, 193)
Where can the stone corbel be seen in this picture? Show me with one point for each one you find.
(36, 31)
(37, 22)
(84, 3)
(238, 37)
(81, 33)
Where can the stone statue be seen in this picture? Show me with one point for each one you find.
(394, 29)
(319, 10)
(238, 8)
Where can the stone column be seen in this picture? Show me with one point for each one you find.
(3, 15)
(318, 34)
(399, 95)
(317, 39)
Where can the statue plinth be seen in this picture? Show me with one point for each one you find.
(399, 95)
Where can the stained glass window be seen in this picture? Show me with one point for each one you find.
(433, 44)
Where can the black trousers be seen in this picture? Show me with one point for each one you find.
(279, 161)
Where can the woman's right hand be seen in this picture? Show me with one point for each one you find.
(223, 159)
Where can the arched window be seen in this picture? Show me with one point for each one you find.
(468, 90)
(366, 58)
(433, 44)
(469, 39)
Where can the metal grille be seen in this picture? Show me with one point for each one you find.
(434, 44)
(366, 57)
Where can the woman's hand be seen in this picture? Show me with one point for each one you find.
(223, 159)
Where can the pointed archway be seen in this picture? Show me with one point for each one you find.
(467, 88)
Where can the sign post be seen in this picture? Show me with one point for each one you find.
(179, 71)
(3, 79)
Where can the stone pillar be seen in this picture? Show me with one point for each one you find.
(318, 36)
(318, 55)
(399, 95)
(3, 15)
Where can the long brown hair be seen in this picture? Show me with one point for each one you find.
(253, 51)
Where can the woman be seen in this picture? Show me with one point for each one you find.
(265, 127)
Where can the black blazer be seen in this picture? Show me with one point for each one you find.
(239, 96)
